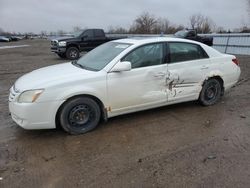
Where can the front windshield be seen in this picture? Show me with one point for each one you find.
(77, 34)
(98, 58)
(182, 33)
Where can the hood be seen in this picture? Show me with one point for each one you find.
(51, 75)
(63, 38)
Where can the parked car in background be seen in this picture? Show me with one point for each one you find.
(121, 77)
(10, 38)
(14, 38)
(70, 47)
(4, 39)
(191, 34)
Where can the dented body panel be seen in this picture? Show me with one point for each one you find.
(185, 79)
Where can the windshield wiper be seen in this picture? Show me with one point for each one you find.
(77, 64)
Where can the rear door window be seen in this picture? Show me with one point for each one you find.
(99, 33)
(181, 51)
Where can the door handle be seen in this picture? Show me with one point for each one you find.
(204, 67)
(159, 75)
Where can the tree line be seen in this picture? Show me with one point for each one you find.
(147, 23)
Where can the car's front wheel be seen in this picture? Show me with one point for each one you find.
(72, 53)
(79, 115)
(211, 92)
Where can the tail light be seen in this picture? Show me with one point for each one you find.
(236, 61)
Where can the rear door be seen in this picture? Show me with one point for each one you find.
(99, 37)
(188, 65)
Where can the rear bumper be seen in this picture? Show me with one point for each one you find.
(233, 79)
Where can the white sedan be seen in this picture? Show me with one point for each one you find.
(120, 77)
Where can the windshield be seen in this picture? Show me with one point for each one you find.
(98, 58)
(77, 34)
(182, 33)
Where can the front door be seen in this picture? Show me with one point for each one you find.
(144, 85)
(87, 42)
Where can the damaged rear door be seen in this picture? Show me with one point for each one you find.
(144, 85)
(188, 65)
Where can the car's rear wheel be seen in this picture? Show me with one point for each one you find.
(79, 115)
(211, 92)
(72, 53)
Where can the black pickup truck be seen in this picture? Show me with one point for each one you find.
(86, 40)
(192, 35)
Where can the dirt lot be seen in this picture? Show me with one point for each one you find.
(182, 145)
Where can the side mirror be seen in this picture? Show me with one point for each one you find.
(122, 66)
(84, 37)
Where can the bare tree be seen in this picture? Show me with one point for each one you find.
(196, 21)
(175, 28)
(208, 25)
(77, 29)
(162, 26)
(117, 30)
(201, 23)
(144, 24)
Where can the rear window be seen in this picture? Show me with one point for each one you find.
(180, 51)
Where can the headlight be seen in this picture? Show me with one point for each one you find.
(62, 43)
(29, 96)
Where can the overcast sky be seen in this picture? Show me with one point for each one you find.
(53, 15)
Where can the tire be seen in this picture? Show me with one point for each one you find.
(62, 55)
(72, 53)
(211, 92)
(79, 115)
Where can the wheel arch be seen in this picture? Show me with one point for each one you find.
(219, 78)
(104, 115)
(73, 45)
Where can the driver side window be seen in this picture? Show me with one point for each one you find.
(89, 34)
(148, 55)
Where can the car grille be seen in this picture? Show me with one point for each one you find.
(13, 94)
(54, 43)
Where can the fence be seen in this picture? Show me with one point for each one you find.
(232, 43)
(225, 43)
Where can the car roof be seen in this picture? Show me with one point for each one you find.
(145, 40)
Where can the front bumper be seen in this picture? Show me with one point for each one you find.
(58, 50)
(34, 115)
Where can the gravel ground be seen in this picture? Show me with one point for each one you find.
(184, 145)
